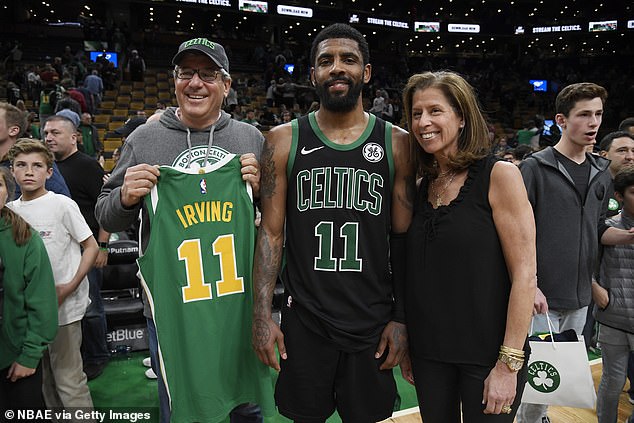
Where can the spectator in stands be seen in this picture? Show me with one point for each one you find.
(296, 111)
(161, 105)
(21, 105)
(181, 138)
(627, 125)
(48, 100)
(570, 217)
(388, 110)
(525, 135)
(58, 66)
(72, 251)
(289, 90)
(539, 125)
(48, 74)
(270, 94)
(378, 104)
(94, 84)
(286, 116)
(109, 75)
(84, 177)
(89, 143)
(268, 118)
(67, 81)
(34, 83)
(614, 304)
(618, 147)
(67, 56)
(14, 94)
(553, 138)
(395, 101)
(250, 118)
(13, 125)
(136, 66)
(237, 113)
(29, 308)
(129, 126)
(14, 57)
(521, 152)
(508, 156)
(232, 98)
(32, 129)
(68, 102)
(501, 147)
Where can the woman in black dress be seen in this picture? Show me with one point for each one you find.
(471, 260)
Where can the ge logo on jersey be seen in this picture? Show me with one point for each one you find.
(373, 152)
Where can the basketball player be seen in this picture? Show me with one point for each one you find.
(336, 193)
(191, 136)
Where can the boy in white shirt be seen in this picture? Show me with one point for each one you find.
(58, 220)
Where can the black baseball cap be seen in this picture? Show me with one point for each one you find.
(130, 125)
(214, 51)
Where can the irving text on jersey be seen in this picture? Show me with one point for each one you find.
(205, 211)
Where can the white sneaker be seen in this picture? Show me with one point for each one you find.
(149, 373)
(147, 362)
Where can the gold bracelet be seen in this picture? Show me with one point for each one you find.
(511, 352)
(516, 357)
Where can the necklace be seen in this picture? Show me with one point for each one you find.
(440, 193)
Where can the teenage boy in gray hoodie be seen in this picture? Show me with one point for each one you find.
(567, 187)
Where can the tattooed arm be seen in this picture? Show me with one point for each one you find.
(268, 252)
(394, 336)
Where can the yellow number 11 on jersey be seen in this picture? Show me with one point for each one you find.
(230, 283)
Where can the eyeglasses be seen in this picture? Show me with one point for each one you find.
(207, 75)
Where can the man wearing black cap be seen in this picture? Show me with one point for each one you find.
(191, 136)
(129, 126)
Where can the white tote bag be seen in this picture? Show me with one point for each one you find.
(559, 374)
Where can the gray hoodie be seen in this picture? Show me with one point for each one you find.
(568, 227)
(169, 142)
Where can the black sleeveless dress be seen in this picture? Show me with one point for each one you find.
(458, 287)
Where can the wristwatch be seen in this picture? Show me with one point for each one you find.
(514, 364)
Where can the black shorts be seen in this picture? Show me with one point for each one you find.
(318, 377)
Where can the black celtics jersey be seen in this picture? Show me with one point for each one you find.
(338, 219)
(196, 272)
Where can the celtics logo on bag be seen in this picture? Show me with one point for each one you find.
(543, 377)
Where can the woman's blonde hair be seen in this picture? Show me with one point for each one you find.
(473, 140)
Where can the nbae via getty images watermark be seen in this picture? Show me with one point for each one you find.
(87, 415)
